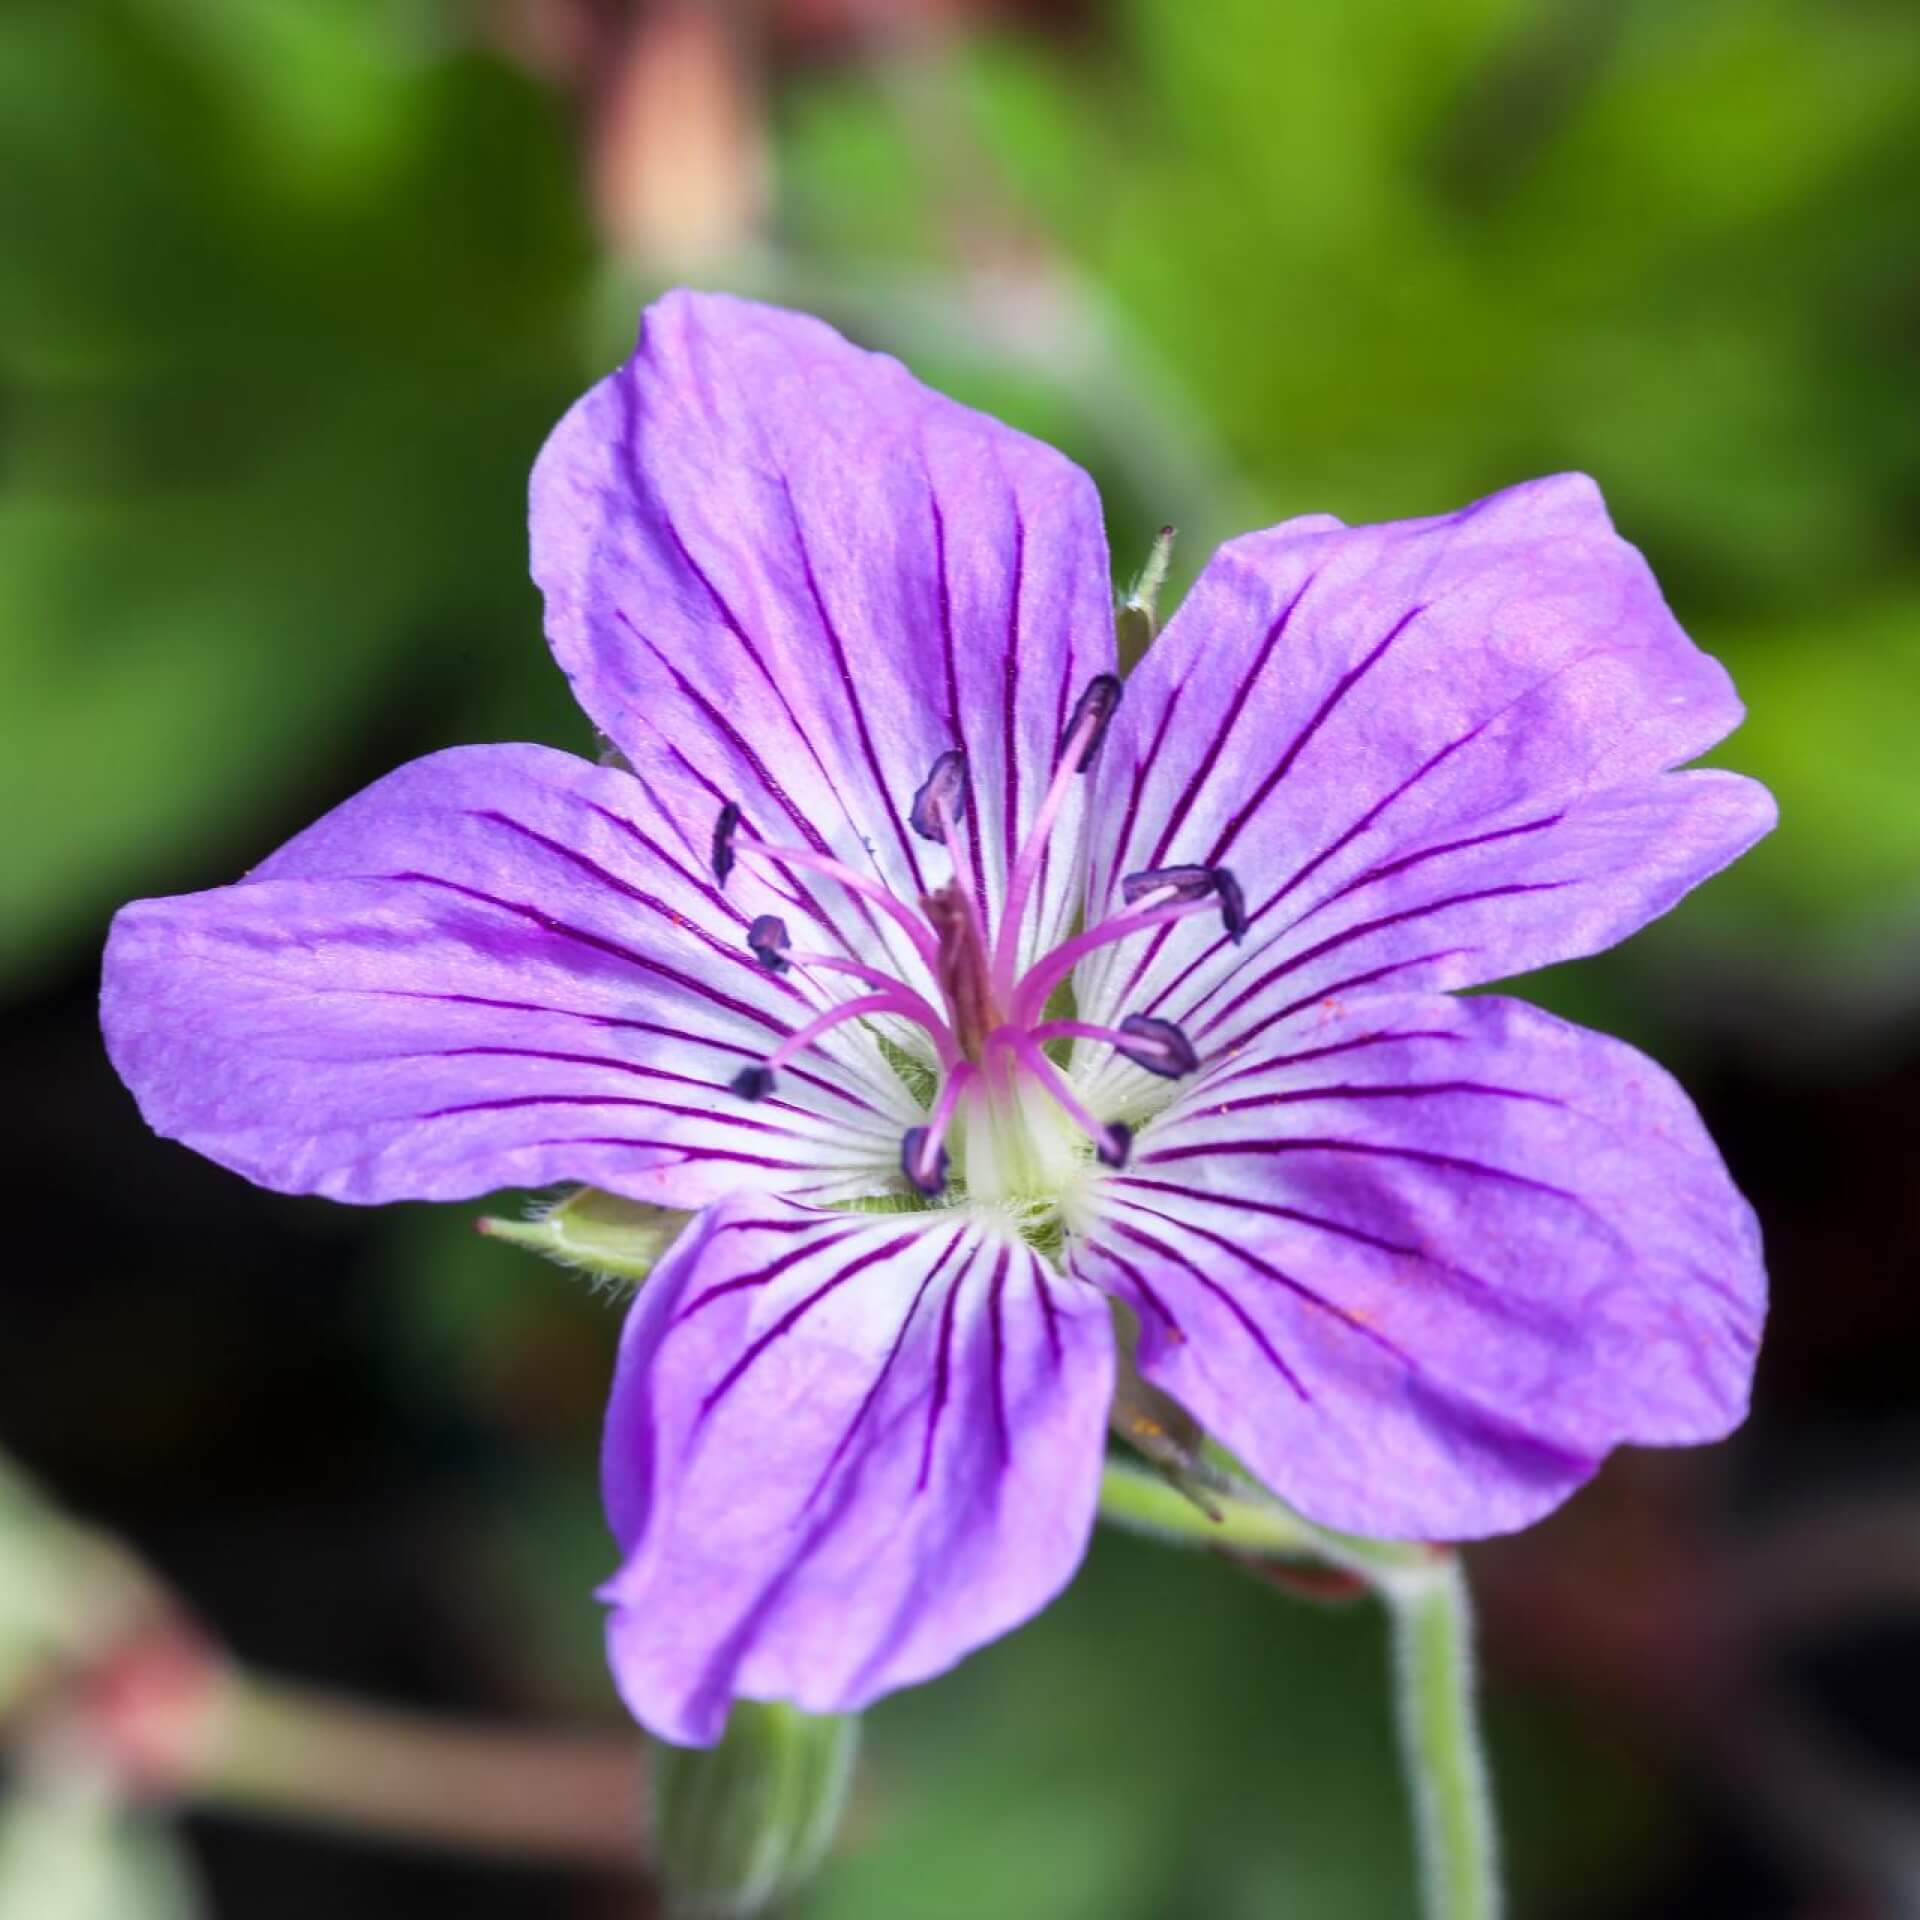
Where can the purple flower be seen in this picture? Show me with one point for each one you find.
(1085, 999)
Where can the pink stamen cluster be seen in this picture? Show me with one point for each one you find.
(990, 1027)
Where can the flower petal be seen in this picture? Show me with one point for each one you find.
(843, 1451)
(1425, 1263)
(495, 967)
(1433, 752)
(782, 564)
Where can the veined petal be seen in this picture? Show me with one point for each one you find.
(1435, 753)
(499, 966)
(780, 563)
(843, 1451)
(1422, 1264)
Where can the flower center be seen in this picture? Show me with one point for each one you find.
(1001, 1100)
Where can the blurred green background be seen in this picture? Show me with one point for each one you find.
(290, 291)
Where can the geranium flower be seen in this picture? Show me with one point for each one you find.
(960, 997)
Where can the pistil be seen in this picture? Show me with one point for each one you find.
(961, 968)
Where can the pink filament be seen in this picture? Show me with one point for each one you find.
(1019, 1042)
(802, 1038)
(1027, 866)
(888, 902)
(914, 1005)
(941, 1118)
(1046, 973)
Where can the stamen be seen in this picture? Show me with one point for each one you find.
(1086, 728)
(755, 1083)
(728, 841)
(1158, 1045)
(1184, 896)
(1111, 1140)
(771, 943)
(941, 802)
(923, 1153)
(915, 1006)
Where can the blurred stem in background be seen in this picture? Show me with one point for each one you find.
(104, 1678)
(1425, 1592)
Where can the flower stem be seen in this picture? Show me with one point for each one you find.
(1142, 1501)
(1425, 1591)
(1440, 1743)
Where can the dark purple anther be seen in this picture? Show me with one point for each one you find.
(770, 942)
(723, 831)
(1233, 904)
(1186, 883)
(753, 1083)
(1118, 1144)
(1093, 710)
(926, 1180)
(1192, 883)
(942, 798)
(1157, 1045)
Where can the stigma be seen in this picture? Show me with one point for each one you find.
(1003, 1112)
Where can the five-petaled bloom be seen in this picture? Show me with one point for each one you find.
(1139, 1000)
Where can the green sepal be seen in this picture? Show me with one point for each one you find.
(744, 1824)
(1136, 616)
(595, 1232)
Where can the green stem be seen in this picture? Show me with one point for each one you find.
(1425, 1591)
(1143, 1501)
(1440, 1743)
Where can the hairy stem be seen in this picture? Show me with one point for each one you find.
(1440, 1744)
(1425, 1591)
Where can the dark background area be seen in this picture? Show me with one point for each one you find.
(289, 296)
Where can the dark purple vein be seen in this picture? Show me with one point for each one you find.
(1321, 996)
(1294, 1096)
(1361, 930)
(1274, 1062)
(1306, 1295)
(621, 1024)
(547, 923)
(792, 1318)
(1416, 1156)
(727, 949)
(765, 1276)
(996, 1327)
(943, 1367)
(850, 687)
(1010, 694)
(1391, 867)
(1224, 1295)
(513, 1102)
